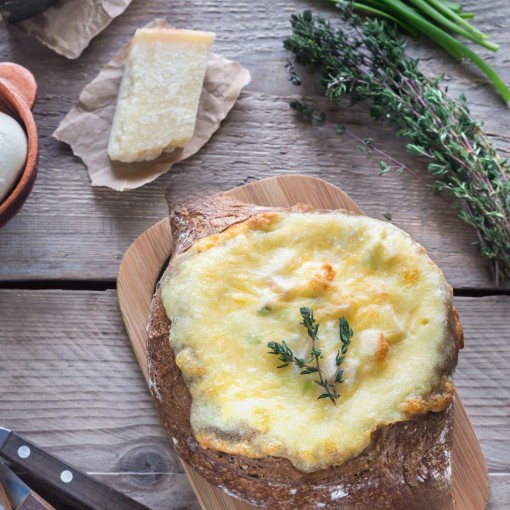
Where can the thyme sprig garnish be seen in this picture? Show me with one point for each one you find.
(313, 366)
(368, 63)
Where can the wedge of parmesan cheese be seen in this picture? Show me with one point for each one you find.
(158, 98)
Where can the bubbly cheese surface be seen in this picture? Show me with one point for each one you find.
(232, 293)
(159, 93)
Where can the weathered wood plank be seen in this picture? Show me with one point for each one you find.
(70, 382)
(500, 491)
(69, 230)
(483, 375)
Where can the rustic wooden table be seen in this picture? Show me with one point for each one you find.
(68, 377)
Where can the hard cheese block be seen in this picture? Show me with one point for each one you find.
(159, 93)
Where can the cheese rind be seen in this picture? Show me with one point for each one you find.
(159, 94)
(233, 292)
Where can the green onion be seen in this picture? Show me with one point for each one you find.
(437, 19)
(456, 17)
(382, 14)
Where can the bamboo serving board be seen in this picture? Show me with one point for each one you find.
(139, 273)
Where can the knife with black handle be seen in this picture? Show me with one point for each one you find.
(87, 492)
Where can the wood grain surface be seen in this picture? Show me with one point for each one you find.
(68, 376)
(70, 382)
(70, 230)
(147, 257)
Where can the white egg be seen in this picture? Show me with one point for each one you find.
(13, 153)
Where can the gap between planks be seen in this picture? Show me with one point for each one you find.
(103, 285)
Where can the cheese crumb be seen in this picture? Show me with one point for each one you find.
(338, 493)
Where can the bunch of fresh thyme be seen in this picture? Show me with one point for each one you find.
(287, 356)
(368, 63)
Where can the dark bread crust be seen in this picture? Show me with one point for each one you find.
(406, 466)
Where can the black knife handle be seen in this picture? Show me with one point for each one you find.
(79, 487)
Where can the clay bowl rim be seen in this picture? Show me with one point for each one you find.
(19, 108)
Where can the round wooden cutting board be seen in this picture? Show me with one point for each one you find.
(141, 268)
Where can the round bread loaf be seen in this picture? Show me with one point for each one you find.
(238, 277)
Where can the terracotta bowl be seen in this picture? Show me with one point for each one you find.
(18, 90)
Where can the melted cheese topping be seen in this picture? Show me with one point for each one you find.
(232, 293)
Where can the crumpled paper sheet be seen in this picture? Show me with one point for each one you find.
(70, 25)
(86, 128)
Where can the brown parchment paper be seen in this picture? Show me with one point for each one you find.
(70, 25)
(86, 128)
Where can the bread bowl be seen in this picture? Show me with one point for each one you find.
(404, 464)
